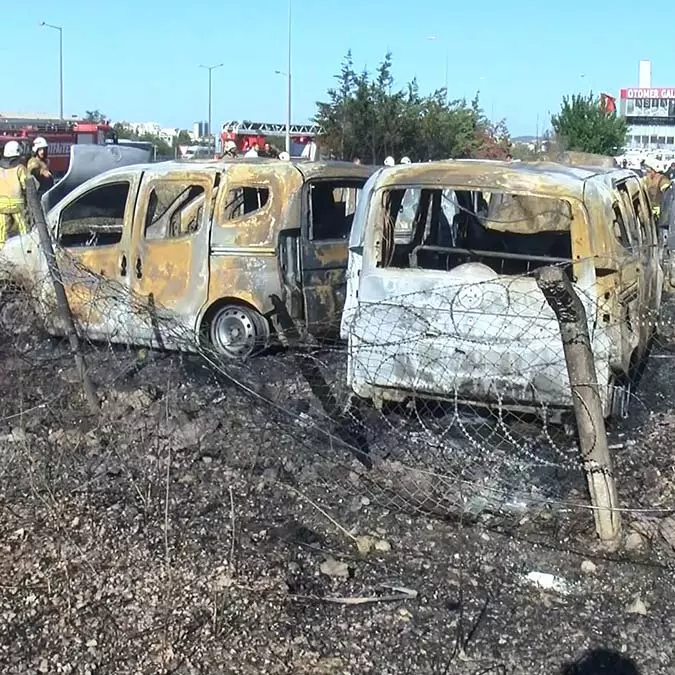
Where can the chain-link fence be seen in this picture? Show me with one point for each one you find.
(413, 499)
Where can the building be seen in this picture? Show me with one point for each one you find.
(200, 130)
(141, 128)
(169, 134)
(649, 112)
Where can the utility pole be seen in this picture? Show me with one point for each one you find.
(287, 75)
(288, 93)
(60, 29)
(210, 69)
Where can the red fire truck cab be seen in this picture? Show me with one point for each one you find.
(59, 134)
(245, 134)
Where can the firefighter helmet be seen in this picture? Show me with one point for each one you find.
(12, 149)
(39, 143)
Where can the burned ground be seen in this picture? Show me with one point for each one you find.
(214, 521)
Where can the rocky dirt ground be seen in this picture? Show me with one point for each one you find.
(193, 528)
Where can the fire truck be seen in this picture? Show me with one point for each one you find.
(60, 134)
(245, 134)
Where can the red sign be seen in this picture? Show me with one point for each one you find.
(658, 92)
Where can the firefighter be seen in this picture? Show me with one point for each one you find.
(230, 150)
(656, 184)
(12, 192)
(38, 165)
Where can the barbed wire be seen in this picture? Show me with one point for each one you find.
(454, 402)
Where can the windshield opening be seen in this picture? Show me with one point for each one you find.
(440, 228)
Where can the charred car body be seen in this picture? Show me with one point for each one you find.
(157, 254)
(442, 301)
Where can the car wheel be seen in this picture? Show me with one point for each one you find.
(237, 332)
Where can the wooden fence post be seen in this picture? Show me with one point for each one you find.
(588, 409)
(63, 308)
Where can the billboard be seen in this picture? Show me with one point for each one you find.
(648, 103)
(648, 92)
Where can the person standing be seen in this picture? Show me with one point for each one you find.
(656, 184)
(253, 151)
(12, 192)
(310, 151)
(38, 165)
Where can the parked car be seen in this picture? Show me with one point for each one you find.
(441, 297)
(176, 253)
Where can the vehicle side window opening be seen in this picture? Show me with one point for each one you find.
(441, 228)
(175, 210)
(620, 231)
(643, 222)
(96, 218)
(631, 222)
(245, 200)
(332, 205)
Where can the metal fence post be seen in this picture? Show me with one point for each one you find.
(63, 308)
(588, 409)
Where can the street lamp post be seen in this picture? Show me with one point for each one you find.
(287, 75)
(60, 29)
(288, 109)
(210, 69)
(288, 93)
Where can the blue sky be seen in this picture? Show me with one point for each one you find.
(138, 60)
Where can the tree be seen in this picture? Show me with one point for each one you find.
(584, 125)
(94, 116)
(183, 138)
(365, 116)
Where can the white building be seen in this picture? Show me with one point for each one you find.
(199, 130)
(649, 112)
(140, 128)
(169, 134)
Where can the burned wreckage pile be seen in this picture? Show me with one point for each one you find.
(481, 305)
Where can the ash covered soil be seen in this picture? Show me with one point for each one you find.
(194, 528)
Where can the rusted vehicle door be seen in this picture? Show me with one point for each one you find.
(636, 293)
(93, 230)
(328, 214)
(652, 247)
(169, 257)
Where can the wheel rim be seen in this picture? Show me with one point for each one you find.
(235, 332)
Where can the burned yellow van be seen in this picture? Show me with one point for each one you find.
(443, 300)
(171, 254)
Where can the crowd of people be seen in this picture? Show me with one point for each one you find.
(310, 151)
(15, 170)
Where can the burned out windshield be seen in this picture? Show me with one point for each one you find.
(440, 228)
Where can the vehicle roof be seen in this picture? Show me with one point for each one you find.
(543, 178)
(306, 168)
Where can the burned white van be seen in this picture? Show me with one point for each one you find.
(442, 300)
